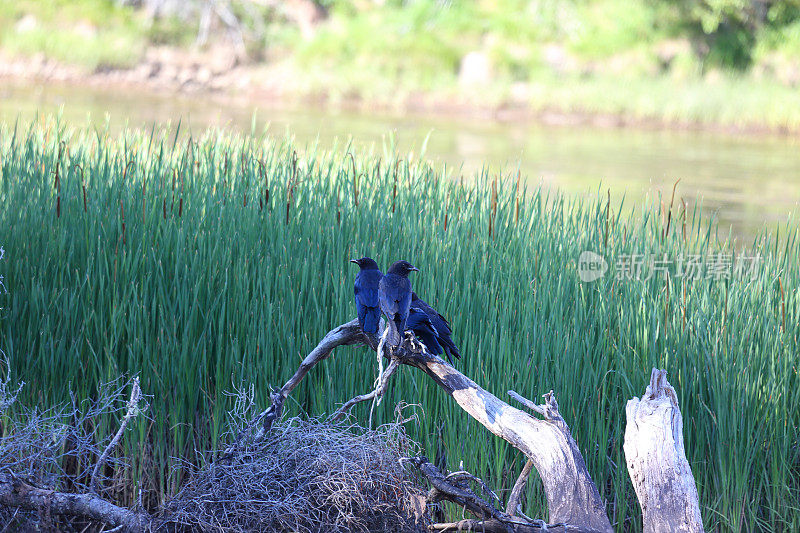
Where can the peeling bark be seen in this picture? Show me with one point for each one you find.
(657, 461)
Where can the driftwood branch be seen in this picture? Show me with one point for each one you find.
(16, 493)
(443, 488)
(452, 488)
(373, 395)
(538, 409)
(657, 461)
(131, 412)
(572, 496)
(344, 335)
(495, 526)
(516, 493)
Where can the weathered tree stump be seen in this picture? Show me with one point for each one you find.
(657, 462)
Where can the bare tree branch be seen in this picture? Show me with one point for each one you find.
(344, 335)
(527, 403)
(516, 493)
(376, 393)
(572, 496)
(132, 411)
(495, 526)
(15, 492)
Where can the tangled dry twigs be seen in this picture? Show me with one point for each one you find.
(57, 474)
(305, 476)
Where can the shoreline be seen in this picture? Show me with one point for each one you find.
(182, 74)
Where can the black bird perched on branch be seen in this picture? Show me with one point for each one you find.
(421, 325)
(442, 327)
(395, 297)
(366, 291)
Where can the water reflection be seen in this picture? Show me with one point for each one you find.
(747, 181)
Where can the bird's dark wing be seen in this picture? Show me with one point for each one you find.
(420, 324)
(385, 296)
(366, 287)
(439, 322)
(395, 300)
(442, 327)
(367, 300)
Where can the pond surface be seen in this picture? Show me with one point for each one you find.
(746, 182)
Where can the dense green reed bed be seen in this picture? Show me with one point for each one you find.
(204, 263)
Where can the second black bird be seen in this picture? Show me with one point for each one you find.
(395, 298)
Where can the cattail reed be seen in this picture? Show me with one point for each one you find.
(263, 175)
(783, 305)
(122, 216)
(494, 208)
(608, 220)
(666, 304)
(516, 199)
(683, 202)
(394, 189)
(355, 178)
(560, 332)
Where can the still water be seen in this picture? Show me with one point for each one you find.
(747, 183)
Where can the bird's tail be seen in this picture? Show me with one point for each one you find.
(372, 317)
(450, 348)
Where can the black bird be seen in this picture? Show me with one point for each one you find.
(366, 290)
(441, 325)
(395, 297)
(421, 325)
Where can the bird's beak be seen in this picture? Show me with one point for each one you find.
(354, 261)
(414, 269)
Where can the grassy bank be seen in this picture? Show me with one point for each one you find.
(670, 63)
(206, 263)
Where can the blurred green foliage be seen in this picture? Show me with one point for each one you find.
(423, 41)
(89, 33)
(731, 29)
(721, 62)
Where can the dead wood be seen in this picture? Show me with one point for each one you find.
(571, 494)
(16, 493)
(657, 461)
(344, 335)
(453, 488)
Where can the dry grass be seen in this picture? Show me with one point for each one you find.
(306, 475)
